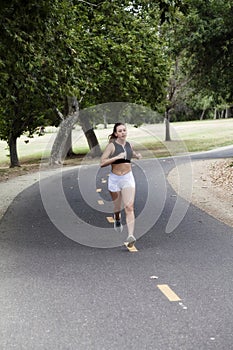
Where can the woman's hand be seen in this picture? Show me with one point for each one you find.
(137, 155)
(122, 155)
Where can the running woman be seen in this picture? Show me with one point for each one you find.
(121, 183)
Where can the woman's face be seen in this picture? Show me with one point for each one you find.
(121, 132)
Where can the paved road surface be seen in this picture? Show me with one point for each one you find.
(58, 294)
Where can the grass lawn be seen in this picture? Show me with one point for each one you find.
(149, 139)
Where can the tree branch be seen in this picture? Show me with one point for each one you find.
(83, 93)
(60, 115)
(88, 3)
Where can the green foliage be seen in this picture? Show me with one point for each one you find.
(34, 40)
(205, 35)
(102, 51)
(111, 51)
(124, 57)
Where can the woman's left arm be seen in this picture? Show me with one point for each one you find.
(135, 154)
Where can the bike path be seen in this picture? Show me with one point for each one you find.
(58, 294)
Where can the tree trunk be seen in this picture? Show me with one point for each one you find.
(90, 135)
(70, 152)
(14, 160)
(227, 114)
(215, 113)
(105, 121)
(167, 127)
(202, 114)
(62, 141)
(68, 111)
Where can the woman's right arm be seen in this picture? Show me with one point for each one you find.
(105, 160)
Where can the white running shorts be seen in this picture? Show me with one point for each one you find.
(117, 182)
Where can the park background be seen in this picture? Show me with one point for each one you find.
(71, 67)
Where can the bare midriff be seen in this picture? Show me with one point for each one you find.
(121, 169)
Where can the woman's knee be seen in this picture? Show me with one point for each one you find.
(129, 208)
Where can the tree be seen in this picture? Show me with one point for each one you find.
(170, 12)
(54, 49)
(62, 141)
(34, 36)
(205, 35)
(123, 59)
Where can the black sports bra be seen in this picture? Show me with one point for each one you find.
(119, 149)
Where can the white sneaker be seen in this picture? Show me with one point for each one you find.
(118, 227)
(131, 240)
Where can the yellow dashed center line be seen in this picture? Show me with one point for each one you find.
(168, 292)
(110, 219)
(132, 249)
(100, 202)
(98, 190)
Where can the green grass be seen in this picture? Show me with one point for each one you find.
(149, 139)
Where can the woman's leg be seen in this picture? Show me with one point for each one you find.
(128, 195)
(116, 198)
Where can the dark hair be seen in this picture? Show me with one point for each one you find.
(112, 136)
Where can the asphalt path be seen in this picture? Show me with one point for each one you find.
(68, 281)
